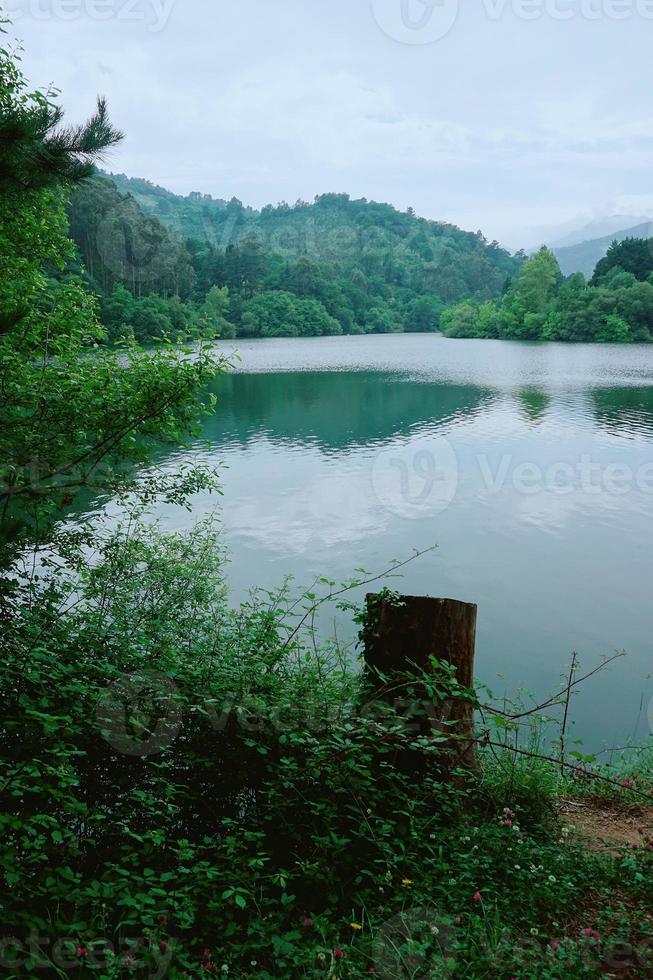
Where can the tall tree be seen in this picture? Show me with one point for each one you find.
(74, 414)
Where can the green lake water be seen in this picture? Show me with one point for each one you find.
(530, 466)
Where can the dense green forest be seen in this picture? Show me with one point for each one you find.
(336, 266)
(540, 304)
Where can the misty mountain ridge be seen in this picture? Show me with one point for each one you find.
(584, 256)
(599, 228)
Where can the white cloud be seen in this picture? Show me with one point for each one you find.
(505, 126)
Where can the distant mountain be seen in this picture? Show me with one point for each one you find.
(583, 257)
(598, 228)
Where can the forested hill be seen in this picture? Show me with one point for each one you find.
(168, 266)
(403, 249)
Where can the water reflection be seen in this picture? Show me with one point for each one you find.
(534, 403)
(625, 412)
(335, 411)
(328, 469)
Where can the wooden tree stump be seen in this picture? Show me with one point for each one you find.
(401, 637)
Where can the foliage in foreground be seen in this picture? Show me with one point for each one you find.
(187, 790)
(75, 415)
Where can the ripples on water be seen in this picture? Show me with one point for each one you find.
(333, 448)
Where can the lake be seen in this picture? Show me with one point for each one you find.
(529, 465)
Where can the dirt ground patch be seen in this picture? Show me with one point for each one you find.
(603, 826)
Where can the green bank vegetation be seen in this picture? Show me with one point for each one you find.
(615, 306)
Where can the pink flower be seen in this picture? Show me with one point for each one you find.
(338, 953)
(477, 897)
(554, 945)
(307, 923)
(588, 933)
(596, 935)
(507, 823)
(81, 950)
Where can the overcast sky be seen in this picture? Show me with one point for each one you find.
(512, 116)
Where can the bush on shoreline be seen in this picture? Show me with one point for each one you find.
(188, 784)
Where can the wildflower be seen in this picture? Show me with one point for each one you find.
(588, 933)
(356, 926)
(224, 968)
(338, 953)
(434, 930)
(507, 823)
(307, 922)
(406, 881)
(596, 935)
(554, 945)
(477, 897)
(81, 950)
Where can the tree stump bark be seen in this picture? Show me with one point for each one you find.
(401, 637)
